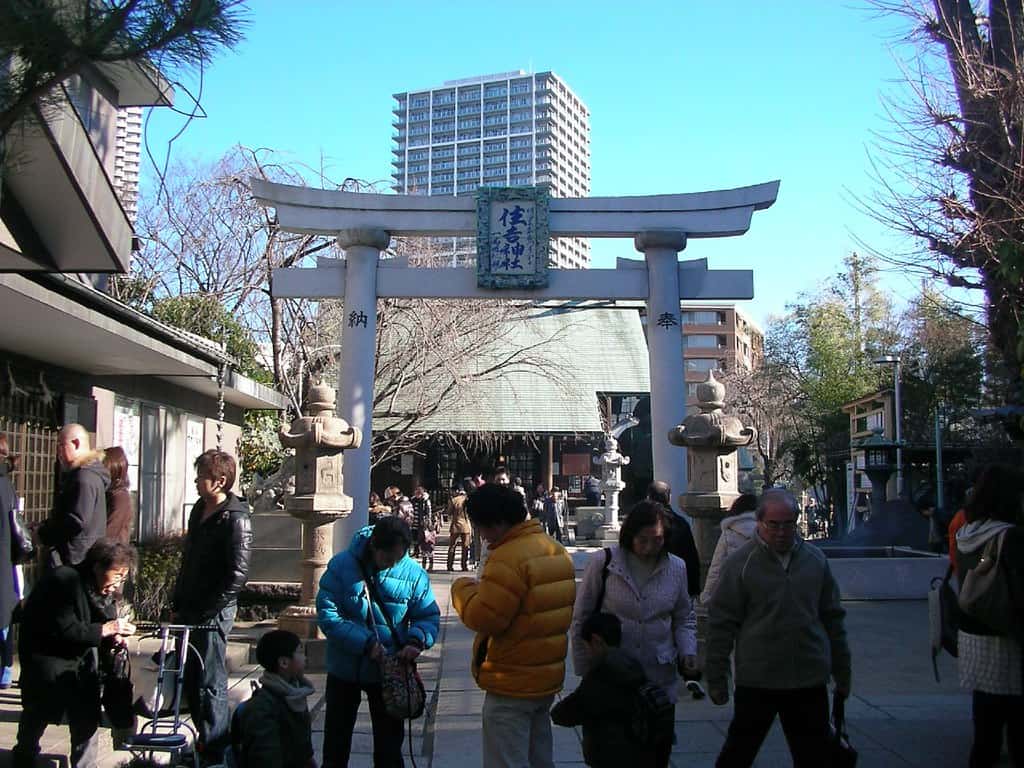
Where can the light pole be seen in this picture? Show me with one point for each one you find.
(895, 362)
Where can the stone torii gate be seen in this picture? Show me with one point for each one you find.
(660, 226)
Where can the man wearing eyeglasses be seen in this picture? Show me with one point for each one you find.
(777, 606)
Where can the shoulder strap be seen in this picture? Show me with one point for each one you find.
(604, 579)
(374, 597)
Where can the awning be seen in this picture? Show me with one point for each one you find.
(50, 326)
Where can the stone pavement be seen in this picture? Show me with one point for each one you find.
(898, 716)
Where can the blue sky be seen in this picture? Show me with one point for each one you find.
(684, 96)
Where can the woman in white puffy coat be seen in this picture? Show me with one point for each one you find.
(646, 589)
(737, 530)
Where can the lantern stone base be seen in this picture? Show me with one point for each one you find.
(607, 535)
(331, 506)
(301, 620)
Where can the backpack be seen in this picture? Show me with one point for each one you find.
(943, 618)
(985, 591)
(653, 715)
(234, 755)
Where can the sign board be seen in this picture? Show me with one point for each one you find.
(127, 434)
(512, 237)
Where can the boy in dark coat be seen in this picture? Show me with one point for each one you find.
(605, 699)
(275, 723)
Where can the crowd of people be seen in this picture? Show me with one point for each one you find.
(776, 638)
(69, 625)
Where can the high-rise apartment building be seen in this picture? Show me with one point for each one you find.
(508, 129)
(126, 158)
(717, 338)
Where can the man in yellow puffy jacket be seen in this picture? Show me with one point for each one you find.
(521, 609)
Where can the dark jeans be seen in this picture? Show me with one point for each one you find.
(343, 699)
(804, 715)
(206, 685)
(992, 714)
(553, 529)
(81, 701)
(6, 655)
(663, 743)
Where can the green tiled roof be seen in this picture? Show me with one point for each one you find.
(582, 352)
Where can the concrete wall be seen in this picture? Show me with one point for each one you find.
(276, 548)
(887, 578)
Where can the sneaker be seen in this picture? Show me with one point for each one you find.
(696, 689)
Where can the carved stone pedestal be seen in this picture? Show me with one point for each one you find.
(318, 439)
(712, 438)
(317, 548)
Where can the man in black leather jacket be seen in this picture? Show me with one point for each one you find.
(214, 568)
(680, 538)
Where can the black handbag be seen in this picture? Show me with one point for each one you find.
(118, 692)
(22, 547)
(943, 618)
(841, 753)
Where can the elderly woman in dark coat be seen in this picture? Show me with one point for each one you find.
(68, 617)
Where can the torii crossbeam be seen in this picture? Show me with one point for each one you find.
(660, 226)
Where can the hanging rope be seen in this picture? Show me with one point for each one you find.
(222, 371)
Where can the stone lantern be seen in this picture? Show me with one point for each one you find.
(712, 438)
(318, 438)
(879, 463)
(612, 462)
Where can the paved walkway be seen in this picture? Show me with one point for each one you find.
(899, 715)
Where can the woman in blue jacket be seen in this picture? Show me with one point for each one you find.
(375, 574)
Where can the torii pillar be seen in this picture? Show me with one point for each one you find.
(665, 349)
(362, 248)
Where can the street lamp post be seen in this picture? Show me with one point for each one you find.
(895, 362)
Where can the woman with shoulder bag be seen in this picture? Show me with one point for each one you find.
(645, 587)
(990, 647)
(374, 601)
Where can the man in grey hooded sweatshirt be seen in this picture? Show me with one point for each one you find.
(778, 604)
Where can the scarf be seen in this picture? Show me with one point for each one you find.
(294, 694)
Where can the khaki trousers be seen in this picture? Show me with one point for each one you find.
(517, 732)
